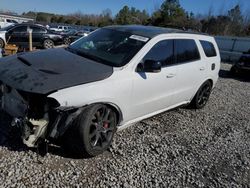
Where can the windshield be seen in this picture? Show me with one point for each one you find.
(108, 46)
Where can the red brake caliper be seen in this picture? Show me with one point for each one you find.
(105, 125)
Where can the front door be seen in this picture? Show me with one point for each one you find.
(154, 91)
(18, 35)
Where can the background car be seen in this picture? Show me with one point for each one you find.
(72, 35)
(18, 35)
(242, 66)
(61, 28)
(5, 22)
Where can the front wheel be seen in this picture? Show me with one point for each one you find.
(2, 44)
(93, 131)
(202, 96)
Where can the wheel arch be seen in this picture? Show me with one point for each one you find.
(116, 109)
(4, 42)
(113, 106)
(211, 82)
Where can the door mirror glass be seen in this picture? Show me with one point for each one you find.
(150, 66)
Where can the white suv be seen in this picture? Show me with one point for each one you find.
(107, 81)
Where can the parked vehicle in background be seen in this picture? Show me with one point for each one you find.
(242, 67)
(61, 28)
(72, 35)
(18, 35)
(5, 22)
(107, 81)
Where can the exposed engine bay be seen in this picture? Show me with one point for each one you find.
(39, 118)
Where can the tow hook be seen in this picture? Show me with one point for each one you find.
(16, 122)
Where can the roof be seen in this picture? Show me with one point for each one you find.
(147, 31)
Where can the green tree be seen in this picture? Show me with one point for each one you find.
(124, 16)
(131, 16)
(61, 19)
(170, 14)
(236, 18)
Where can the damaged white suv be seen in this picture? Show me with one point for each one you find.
(111, 79)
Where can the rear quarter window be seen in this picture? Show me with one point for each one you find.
(186, 50)
(208, 48)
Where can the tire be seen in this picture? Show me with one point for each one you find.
(67, 41)
(93, 131)
(48, 44)
(2, 44)
(202, 96)
(233, 71)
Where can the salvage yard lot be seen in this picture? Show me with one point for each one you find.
(183, 147)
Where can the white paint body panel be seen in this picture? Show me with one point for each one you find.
(2, 36)
(140, 96)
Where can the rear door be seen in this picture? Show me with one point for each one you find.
(37, 35)
(190, 68)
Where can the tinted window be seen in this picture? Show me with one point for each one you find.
(37, 29)
(20, 29)
(208, 48)
(163, 51)
(186, 50)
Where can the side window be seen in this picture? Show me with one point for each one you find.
(20, 29)
(186, 50)
(163, 51)
(37, 29)
(208, 48)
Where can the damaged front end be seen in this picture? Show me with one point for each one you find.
(39, 117)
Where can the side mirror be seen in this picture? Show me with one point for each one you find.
(150, 66)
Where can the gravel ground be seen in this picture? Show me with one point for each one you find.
(181, 148)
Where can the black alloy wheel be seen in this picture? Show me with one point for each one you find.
(202, 96)
(67, 41)
(93, 131)
(101, 128)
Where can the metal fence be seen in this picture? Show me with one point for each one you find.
(231, 48)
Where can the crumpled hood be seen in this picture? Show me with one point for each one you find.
(46, 71)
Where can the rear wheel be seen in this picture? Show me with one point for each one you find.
(233, 70)
(2, 43)
(93, 131)
(67, 41)
(202, 96)
(47, 44)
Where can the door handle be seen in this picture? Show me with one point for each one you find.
(170, 75)
(202, 68)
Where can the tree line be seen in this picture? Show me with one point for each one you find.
(169, 14)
